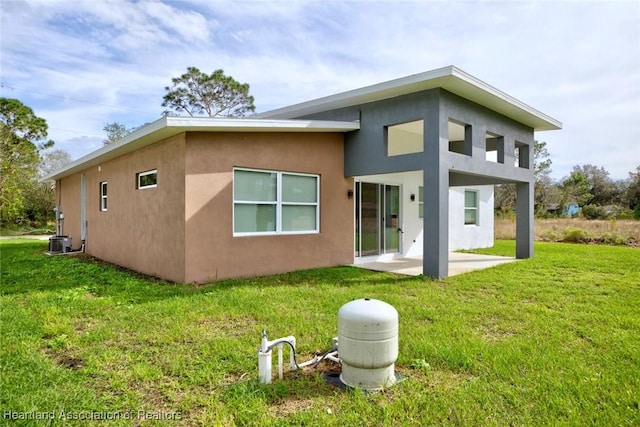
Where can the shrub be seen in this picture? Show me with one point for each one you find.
(594, 212)
(624, 214)
(614, 239)
(621, 240)
(549, 236)
(576, 235)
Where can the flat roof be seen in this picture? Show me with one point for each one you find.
(169, 126)
(448, 78)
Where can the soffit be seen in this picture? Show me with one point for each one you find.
(167, 127)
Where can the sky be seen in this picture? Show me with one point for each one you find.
(83, 64)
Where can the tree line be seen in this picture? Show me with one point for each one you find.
(588, 191)
(25, 155)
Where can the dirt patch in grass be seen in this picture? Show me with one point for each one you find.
(70, 362)
(440, 380)
(84, 325)
(494, 333)
(232, 326)
(230, 378)
(64, 358)
(289, 405)
(449, 380)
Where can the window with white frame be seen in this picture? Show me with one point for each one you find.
(421, 202)
(470, 207)
(103, 196)
(270, 202)
(148, 179)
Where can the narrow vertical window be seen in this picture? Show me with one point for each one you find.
(103, 196)
(421, 202)
(470, 207)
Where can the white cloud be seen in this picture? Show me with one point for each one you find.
(575, 61)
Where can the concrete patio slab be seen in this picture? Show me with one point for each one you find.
(459, 263)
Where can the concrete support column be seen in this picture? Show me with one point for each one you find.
(479, 143)
(524, 220)
(435, 260)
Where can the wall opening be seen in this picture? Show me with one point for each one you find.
(405, 138)
(459, 137)
(521, 155)
(494, 147)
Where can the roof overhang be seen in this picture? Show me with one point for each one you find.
(449, 78)
(167, 127)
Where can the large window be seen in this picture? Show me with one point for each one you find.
(268, 202)
(148, 179)
(103, 196)
(470, 207)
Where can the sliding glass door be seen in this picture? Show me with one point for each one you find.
(377, 219)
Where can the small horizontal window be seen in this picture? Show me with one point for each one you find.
(148, 179)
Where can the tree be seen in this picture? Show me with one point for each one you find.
(20, 131)
(505, 194)
(52, 160)
(115, 131)
(541, 172)
(541, 160)
(39, 197)
(576, 189)
(601, 186)
(633, 192)
(214, 95)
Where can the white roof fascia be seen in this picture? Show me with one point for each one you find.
(500, 101)
(376, 92)
(166, 127)
(449, 78)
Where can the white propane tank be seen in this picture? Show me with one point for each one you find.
(368, 343)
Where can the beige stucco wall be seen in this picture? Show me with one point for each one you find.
(212, 252)
(68, 198)
(142, 229)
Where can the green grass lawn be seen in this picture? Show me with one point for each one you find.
(554, 340)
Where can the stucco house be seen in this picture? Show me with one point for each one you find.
(403, 168)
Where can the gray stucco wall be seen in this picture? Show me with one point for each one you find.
(366, 154)
(366, 149)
